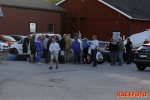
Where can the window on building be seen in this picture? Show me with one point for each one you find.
(32, 27)
(51, 28)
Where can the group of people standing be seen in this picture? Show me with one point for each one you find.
(52, 47)
(117, 47)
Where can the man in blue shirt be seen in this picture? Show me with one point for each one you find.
(76, 50)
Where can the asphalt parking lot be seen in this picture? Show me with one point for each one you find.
(26, 81)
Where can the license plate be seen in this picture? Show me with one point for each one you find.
(143, 56)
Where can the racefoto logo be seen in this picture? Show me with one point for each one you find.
(131, 94)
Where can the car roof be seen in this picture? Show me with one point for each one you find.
(16, 35)
(148, 44)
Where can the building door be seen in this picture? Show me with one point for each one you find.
(51, 28)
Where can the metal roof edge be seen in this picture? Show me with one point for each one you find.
(115, 9)
(34, 8)
(140, 19)
(60, 2)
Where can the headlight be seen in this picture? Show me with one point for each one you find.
(1, 46)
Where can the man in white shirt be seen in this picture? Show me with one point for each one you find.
(94, 47)
(54, 50)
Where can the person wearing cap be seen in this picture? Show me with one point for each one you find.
(54, 50)
(76, 49)
(39, 49)
(94, 47)
(85, 46)
(129, 47)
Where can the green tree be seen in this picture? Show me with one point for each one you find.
(53, 1)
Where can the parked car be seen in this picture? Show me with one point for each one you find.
(17, 48)
(4, 47)
(18, 37)
(142, 57)
(7, 39)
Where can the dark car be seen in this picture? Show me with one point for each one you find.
(142, 57)
(18, 37)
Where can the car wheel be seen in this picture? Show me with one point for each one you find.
(89, 59)
(140, 67)
(14, 51)
(100, 59)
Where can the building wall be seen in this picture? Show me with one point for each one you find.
(101, 20)
(17, 20)
(140, 26)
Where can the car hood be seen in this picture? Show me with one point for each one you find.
(3, 43)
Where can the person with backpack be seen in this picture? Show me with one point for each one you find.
(113, 48)
(76, 50)
(129, 47)
(85, 46)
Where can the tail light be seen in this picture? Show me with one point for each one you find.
(136, 51)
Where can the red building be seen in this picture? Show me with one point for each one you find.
(105, 17)
(22, 17)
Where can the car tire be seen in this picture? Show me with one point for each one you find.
(89, 57)
(103, 60)
(14, 51)
(140, 67)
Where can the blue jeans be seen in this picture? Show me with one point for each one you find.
(93, 53)
(113, 56)
(76, 57)
(38, 56)
(129, 56)
(120, 58)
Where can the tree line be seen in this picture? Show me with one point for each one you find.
(53, 1)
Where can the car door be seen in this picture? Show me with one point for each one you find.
(20, 43)
(19, 46)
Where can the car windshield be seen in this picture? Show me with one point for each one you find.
(101, 45)
(9, 39)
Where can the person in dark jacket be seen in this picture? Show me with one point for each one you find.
(129, 47)
(62, 46)
(48, 54)
(76, 50)
(113, 48)
(26, 44)
(63, 43)
(32, 48)
(85, 46)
